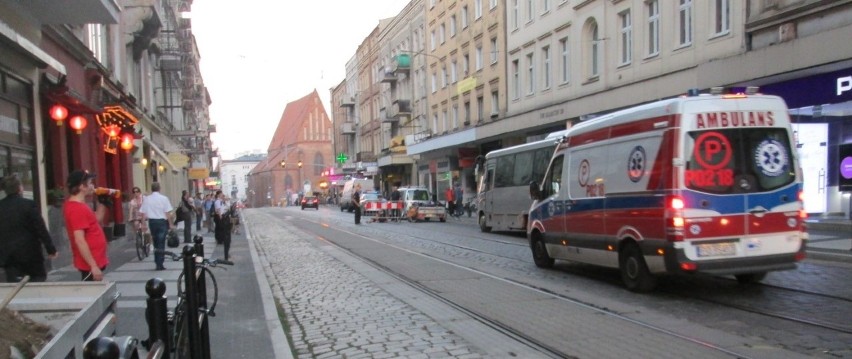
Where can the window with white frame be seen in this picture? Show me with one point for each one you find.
(442, 33)
(444, 77)
(453, 74)
(98, 38)
(516, 16)
(452, 26)
(464, 17)
(495, 50)
(432, 42)
(480, 108)
(545, 68)
(435, 122)
(653, 7)
(465, 65)
(434, 82)
(516, 81)
(492, 4)
(530, 74)
(626, 37)
(545, 6)
(478, 57)
(477, 9)
(684, 22)
(594, 49)
(723, 16)
(432, 3)
(564, 60)
(455, 116)
(444, 120)
(495, 102)
(530, 9)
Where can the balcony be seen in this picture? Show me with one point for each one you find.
(388, 77)
(347, 128)
(399, 108)
(402, 64)
(365, 156)
(83, 12)
(347, 102)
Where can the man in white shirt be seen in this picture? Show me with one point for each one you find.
(158, 210)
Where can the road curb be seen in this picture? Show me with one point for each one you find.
(280, 344)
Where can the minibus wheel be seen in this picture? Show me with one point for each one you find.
(634, 271)
(482, 226)
(539, 252)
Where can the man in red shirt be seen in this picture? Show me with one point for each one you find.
(88, 242)
(451, 200)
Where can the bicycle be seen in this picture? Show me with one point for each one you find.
(177, 319)
(143, 241)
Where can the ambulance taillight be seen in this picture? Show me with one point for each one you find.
(674, 218)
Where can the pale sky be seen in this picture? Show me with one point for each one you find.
(259, 55)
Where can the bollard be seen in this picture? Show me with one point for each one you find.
(101, 348)
(192, 313)
(156, 314)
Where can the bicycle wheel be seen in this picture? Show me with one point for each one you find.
(178, 331)
(140, 246)
(146, 239)
(212, 294)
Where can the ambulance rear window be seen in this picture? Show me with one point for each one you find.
(745, 160)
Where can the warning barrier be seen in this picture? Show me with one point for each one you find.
(384, 211)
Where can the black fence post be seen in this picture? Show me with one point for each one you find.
(156, 314)
(202, 302)
(192, 313)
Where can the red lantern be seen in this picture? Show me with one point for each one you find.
(78, 123)
(58, 113)
(126, 142)
(112, 130)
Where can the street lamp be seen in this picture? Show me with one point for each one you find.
(283, 163)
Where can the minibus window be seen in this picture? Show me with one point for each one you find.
(743, 160)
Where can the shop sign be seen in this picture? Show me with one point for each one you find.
(827, 88)
(178, 159)
(198, 173)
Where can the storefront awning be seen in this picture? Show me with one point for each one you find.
(162, 156)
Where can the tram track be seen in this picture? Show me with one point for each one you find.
(751, 299)
(508, 330)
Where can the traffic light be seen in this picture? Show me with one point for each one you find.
(283, 164)
(300, 164)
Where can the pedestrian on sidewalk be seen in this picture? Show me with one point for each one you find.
(199, 210)
(208, 212)
(88, 241)
(22, 235)
(395, 197)
(449, 196)
(185, 210)
(356, 201)
(223, 223)
(459, 195)
(158, 210)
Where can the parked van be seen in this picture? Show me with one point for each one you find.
(700, 184)
(349, 188)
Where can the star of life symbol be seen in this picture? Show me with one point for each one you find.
(551, 209)
(636, 164)
(771, 158)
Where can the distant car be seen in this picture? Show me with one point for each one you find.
(310, 201)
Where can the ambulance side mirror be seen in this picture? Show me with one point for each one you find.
(535, 191)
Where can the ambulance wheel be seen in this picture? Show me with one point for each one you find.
(634, 270)
(750, 278)
(482, 226)
(539, 252)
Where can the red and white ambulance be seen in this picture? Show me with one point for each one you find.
(707, 183)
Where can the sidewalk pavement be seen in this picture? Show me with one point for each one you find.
(246, 324)
(830, 247)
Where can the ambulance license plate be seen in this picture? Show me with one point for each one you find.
(716, 249)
